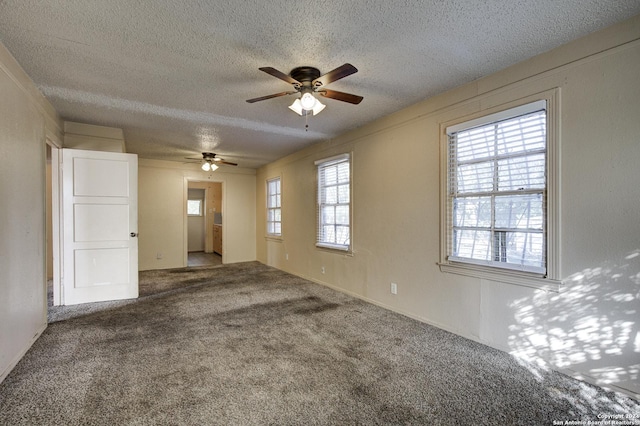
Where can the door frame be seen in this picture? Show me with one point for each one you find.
(56, 226)
(203, 230)
(185, 238)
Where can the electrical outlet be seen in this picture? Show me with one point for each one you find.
(159, 255)
(394, 288)
(286, 256)
(322, 269)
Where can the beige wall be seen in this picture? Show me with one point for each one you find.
(591, 327)
(93, 138)
(162, 189)
(26, 120)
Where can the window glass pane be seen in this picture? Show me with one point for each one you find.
(343, 194)
(330, 175)
(342, 215)
(329, 234)
(519, 211)
(194, 207)
(472, 244)
(277, 228)
(331, 195)
(477, 177)
(524, 248)
(342, 235)
(525, 172)
(343, 172)
(329, 214)
(270, 227)
(277, 215)
(472, 211)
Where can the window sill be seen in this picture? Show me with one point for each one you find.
(276, 238)
(335, 248)
(503, 276)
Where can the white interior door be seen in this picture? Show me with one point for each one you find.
(100, 221)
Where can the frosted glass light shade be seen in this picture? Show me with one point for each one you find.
(318, 107)
(308, 101)
(296, 107)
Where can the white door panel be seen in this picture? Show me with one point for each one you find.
(101, 267)
(100, 178)
(100, 222)
(100, 245)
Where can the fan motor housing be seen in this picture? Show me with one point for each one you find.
(305, 74)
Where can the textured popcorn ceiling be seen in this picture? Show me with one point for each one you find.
(175, 74)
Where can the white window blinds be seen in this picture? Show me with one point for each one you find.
(334, 199)
(497, 190)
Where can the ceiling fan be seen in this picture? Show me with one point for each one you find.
(308, 81)
(210, 161)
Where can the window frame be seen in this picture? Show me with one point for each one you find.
(320, 164)
(550, 280)
(268, 208)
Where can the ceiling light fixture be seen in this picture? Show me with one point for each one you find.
(208, 166)
(306, 104)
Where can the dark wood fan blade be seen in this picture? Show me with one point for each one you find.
(282, 76)
(275, 95)
(337, 74)
(228, 163)
(340, 96)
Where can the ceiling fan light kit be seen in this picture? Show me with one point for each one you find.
(208, 166)
(299, 108)
(307, 81)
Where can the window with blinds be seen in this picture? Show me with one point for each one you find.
(497, 189)
(274, 207)
(334, 200)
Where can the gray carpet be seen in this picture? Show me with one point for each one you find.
(245, 344)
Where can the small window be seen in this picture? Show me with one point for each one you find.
(497, 191)
(194, 207)
(334, 201)
(274, 207)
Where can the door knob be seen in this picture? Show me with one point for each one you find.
(133, 234)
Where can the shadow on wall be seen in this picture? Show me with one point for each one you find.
(590, 327)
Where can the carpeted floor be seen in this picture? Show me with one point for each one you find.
(245, 344)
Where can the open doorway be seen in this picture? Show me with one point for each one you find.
(204, 223)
